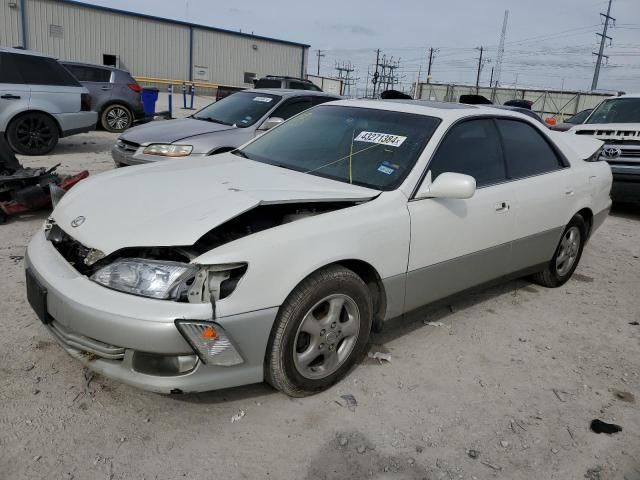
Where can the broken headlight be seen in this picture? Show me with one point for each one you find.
(168, 150)
(148, 278)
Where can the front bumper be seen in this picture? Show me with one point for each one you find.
(626, 183)
(116, 325)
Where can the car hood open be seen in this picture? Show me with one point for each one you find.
(175, 202)
(170, 131)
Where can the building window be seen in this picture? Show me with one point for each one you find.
(110, 60)
(56, 31)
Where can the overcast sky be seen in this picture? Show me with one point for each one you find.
(548, 42)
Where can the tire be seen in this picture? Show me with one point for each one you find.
(321, 331)
(32, 133)
(567, 255)
(116, 118)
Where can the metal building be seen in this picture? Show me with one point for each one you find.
(147, 46)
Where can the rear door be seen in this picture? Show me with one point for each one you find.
(97, 80)
(14, 92)
(546, 191)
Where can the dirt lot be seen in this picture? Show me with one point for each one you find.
(512, 376)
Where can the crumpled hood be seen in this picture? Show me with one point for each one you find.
(169, 131)
(175, 202)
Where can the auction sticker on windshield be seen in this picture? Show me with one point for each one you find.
(380, 138)
(262, 99)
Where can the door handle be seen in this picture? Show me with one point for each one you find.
(104, 89)
(9, 96)
(502, 207)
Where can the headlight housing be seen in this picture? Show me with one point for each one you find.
(168, 150)
(148, 278)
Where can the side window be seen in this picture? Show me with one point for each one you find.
(527, 153)
(36, 70)
(472, 148)
(297, 85)
(318, 100)
(90, 74)
(292, 107)
(8, 74)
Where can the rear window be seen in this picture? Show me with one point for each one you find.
(89, 74)
(34, 70)
(268, 83)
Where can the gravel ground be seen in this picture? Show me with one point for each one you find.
(503, 384)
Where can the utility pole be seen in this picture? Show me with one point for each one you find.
(344, 73)
(376, 74)
(603, 39)
(479, 69)
(500, 53)
(431, 52)
(491, 80)
(319, 54)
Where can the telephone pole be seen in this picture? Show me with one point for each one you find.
(319, 54)
(376, 74)
(479, 69)
(603, 39)
(431, 52)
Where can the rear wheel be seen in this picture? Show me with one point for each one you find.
(567, 256)
(32, 133)
(321, 331)
(116, 118)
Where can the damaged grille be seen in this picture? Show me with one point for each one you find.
(127, 146)
(85, 344)
(72, 250)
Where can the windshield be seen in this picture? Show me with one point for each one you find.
(367, 147)
(241, 109)
(580, 117)
(617, 110)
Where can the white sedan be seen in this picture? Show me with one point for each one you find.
(274, 262)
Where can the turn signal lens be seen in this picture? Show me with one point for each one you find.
(210, 342)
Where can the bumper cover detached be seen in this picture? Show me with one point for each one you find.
(129, 338)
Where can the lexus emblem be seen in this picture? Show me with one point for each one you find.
(76, 222)
(612, 152)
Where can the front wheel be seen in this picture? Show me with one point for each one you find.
(321, 331)
(567, 255)
(116, 118)
(32, 134)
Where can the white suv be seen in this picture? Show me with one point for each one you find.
(40, 101)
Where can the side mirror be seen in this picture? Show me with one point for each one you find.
(448, 185)
(271, 122)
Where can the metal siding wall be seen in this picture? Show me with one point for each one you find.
(9, 24)
(229, 56)
(145, 47)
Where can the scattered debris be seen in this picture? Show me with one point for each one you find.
(37, 457)
(419, 449)
(238, 416)
(593, 473)
(491, 465)
(343, 441)
(582, 278)
(349, 402)
(518, 424)
(434, 324)
(634, 323)
(504, 443)
(29, 367)
(147, 420)
(88, 378)
(598, 426)
(557, 394)
(16, 258)
(361, 449)
(380, 356)
(473, 453)
(570, 433)
(36, 391)
(554, 450)
(624, 396)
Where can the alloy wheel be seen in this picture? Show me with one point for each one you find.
(118, 118)
(569, 249)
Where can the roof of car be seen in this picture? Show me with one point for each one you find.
(288, 92)
(626, 95)
(446, 111)
(23, 51)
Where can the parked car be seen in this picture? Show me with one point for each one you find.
(40, 101)
(572, 121)
(293, 83)
(218, 127)
(616, 121)
(524, 111)
(276, 261)
(115, 94)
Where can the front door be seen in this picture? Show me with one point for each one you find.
(459, 243)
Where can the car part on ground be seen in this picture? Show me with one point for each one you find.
(219, 127)
(27, 189)
(616, 121)
(285, 253)
(115, 94)
(40, 101)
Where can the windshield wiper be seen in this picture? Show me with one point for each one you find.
(208, 119)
